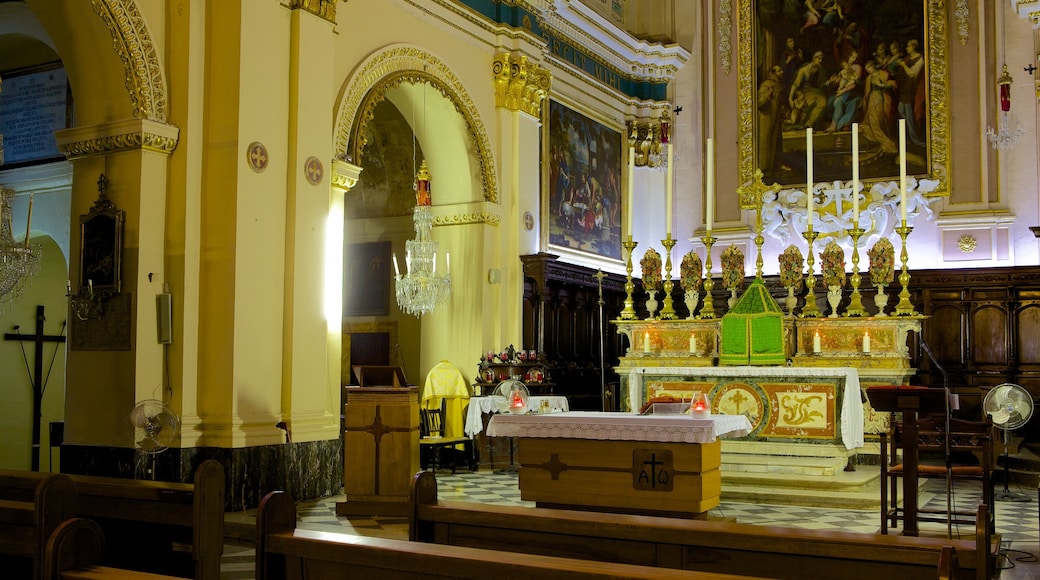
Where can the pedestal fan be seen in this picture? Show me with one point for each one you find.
(154, 426)
(1010, 406)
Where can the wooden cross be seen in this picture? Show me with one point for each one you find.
(38, 382)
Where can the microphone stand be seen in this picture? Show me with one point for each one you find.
(946, 438)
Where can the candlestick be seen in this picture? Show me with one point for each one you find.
(810, 310)
(668, 196)
(709, 214)
(902, 170)
(855, 300)
(646, 342)
(904, 307)
(816, 342)
(855, 175)
(28, 221)
(866, 342)
(809, 176)
(708, 310)
(668, 310)
(693, 343)
(629, 311)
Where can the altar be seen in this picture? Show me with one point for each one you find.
(620, 462)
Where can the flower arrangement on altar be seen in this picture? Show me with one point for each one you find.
(832, 264)
(690, 272)
(732, 268)
(791, 262)
(882, 262)
(651, 264)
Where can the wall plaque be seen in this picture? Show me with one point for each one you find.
(32, 107)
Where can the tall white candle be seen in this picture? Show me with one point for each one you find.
(808, 175)
(397, 271)
(447, 263)
(28, 220)
(668, 195)
(902, 170)
(709, 213)
(631, 187)
(855, 175)
(434, 269)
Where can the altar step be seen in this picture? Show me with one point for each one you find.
(857, 489)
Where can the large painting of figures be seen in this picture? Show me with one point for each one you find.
(827, 64)
(583, 205)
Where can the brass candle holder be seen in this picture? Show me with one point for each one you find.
(629, 311)
(668, 310)
(810, 310)
(855, 307)
(708, 310)
(905, 307)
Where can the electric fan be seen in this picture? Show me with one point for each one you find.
(1010, 406)
(154, 426)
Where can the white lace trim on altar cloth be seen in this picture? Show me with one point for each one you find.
(851, 403)
(488, 405)
(620, 427)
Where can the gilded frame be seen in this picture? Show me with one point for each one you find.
(569, 224)
(936, 153)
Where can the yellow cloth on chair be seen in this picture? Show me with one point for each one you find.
(445, 381)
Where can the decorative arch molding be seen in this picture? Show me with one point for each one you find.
(388, 69)
(144, 75)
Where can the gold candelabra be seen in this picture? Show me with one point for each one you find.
(905, 307)
(708, 310)
(855, 307)
(810, 310)
(629, 311)
(668, 310)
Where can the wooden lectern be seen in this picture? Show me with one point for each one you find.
(911, 402)
(380, 443)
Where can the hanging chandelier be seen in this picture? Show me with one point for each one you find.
(1003, 137)
(19, 261)
(420, 289)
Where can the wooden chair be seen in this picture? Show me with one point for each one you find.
(432, 442)
(971, 455)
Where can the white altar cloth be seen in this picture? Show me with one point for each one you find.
(851, 405)
(480, 405)
(620, 426)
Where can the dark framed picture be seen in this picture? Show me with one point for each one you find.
(101, 246)
(827, 64)
(582, 205)
(366, 273)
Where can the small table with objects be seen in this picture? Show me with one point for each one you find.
(480, 411)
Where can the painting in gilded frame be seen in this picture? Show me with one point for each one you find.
(827, 64)
(582, 207)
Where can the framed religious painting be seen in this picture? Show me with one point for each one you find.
(581, 200)
(830, 64)
(366, 279)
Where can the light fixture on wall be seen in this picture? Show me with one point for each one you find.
(421, 289)
(1003, 137)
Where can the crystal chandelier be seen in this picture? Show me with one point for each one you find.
(19, 261)
(1003, 138)
(420, 289)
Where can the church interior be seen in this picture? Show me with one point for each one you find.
(319, 246)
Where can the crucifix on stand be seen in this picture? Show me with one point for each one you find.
(39, 382)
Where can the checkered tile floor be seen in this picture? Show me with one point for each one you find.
(1016, 521)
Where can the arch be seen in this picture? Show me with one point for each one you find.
(389, 68)
(145, 81)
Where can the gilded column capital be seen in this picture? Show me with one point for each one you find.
(520, 86)
(325, 9)
(345, 175)
(128, 135)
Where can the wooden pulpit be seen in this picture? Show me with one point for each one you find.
(911, 402)
(380, 449)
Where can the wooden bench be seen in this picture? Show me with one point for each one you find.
(284, 552)
(75, 551)
(705, 545)
(155, 526)
(29, 512)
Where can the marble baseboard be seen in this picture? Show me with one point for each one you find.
(307, 470)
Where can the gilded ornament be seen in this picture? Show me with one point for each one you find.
(725, 30)
(391, 68)
(967, 243)
(520, 85)
(313, 170)
(257, 157)
(144, 78)
(482, 217)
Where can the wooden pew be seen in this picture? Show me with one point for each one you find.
(283, 552)
(75, 551)
(711, 546)
(26, 521)
(155, 526)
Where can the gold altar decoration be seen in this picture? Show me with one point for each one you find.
(882, 270)
(651, 265)
(690, 272)
(732, 272)
(629, 311)
(668, 311)
(708, 310)
(670, 342)
(832, 270)
(791, 263)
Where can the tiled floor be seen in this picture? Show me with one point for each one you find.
(1017, 522)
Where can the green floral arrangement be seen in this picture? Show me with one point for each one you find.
(832, 263)
(882, 262)
(732, 268)
(651, 264)
(791, 267)
(690, 272)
